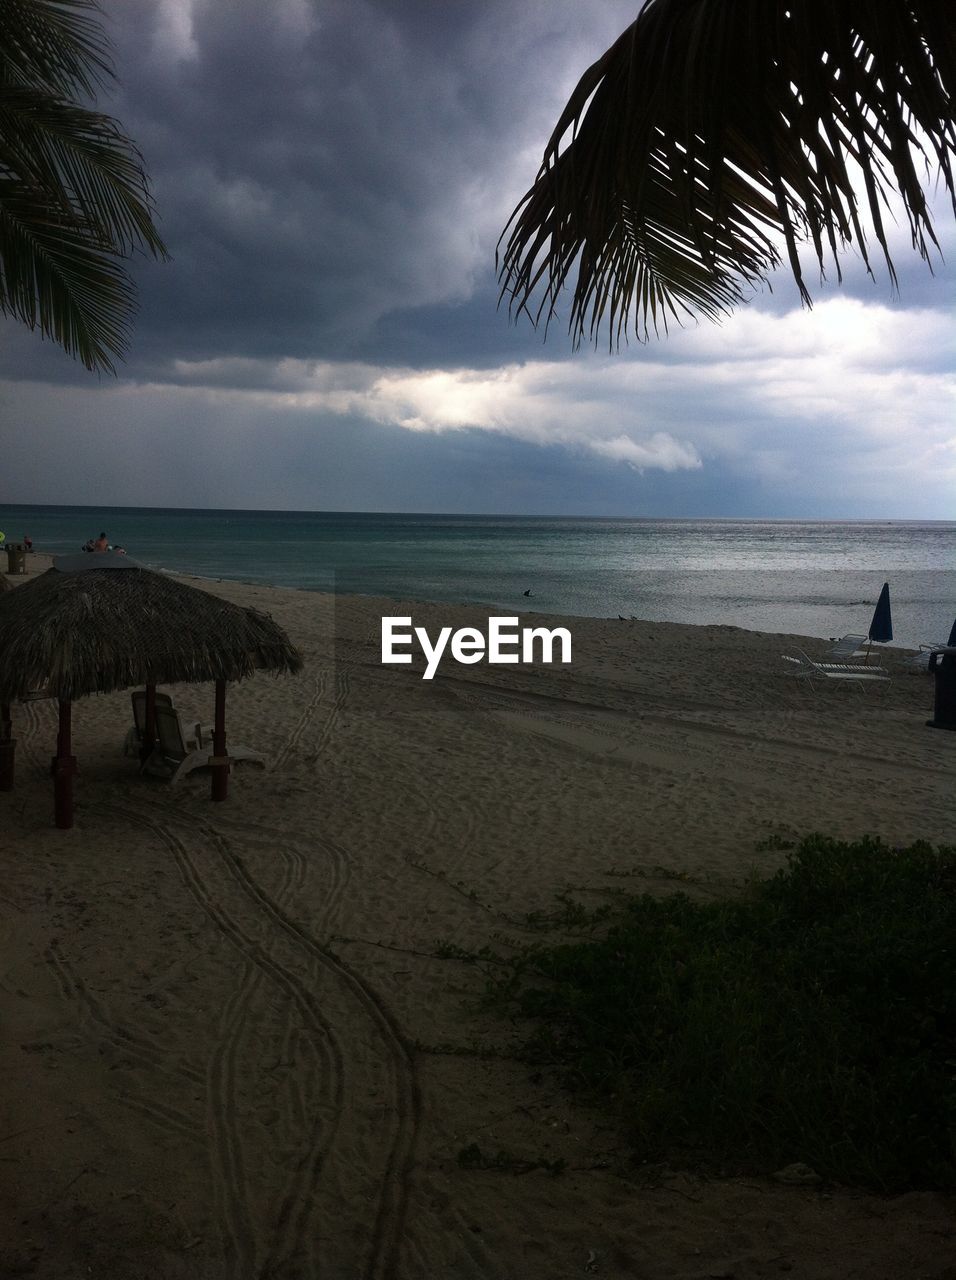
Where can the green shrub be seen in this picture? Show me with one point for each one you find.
(813, 1019)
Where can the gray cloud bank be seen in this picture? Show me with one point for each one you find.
(331, 179)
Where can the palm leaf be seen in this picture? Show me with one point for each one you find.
(58, 275)
(710, 129)
(74, 198)
(54, 145)
(57, 43)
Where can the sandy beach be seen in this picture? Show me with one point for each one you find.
(230, 1051)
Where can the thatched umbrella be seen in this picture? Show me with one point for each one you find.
(98, 623)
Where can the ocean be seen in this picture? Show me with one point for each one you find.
(814, 578)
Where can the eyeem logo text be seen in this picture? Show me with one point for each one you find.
(505, 643)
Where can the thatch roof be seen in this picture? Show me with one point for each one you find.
(94, 624)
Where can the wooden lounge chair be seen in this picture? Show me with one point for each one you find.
(134, 737)
(173, 759)
(807, 669)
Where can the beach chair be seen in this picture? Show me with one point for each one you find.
(134, 737)
(173, 759)
(855, 672)
(919, 661)
(848, 646)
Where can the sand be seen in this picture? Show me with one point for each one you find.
(228, 1049)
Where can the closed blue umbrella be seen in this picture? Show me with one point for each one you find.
(881, 628)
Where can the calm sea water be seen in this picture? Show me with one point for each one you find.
(806, 577)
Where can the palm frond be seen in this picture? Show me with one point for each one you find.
(57, 43)
(710, 129)
(53, 145)
(57, 274)
(74, 197)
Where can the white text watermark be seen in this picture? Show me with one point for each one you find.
(504, 643)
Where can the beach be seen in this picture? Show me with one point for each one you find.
(231, 1049)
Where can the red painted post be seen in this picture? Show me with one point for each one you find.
(220, 769)
(64, 767)
(8, 747)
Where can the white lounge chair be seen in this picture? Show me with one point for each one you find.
(807, 669)
(173, 759)
(920, 661)
(848, 646)
(134, 737)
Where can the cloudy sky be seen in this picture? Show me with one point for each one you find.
(331, 177)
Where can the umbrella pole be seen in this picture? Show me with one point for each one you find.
(149, 728)
(220, 763)
(8, 747)
(64, 767)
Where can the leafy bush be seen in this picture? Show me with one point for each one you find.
(813, 1019)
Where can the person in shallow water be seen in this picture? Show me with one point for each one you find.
(102, 543)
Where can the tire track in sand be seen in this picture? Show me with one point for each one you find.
(290, 1234)
(336, 862)
(393, 1193)
(142, 1050)
(341, 684)
(299, 853)
(243, 1244)
(287, 1236)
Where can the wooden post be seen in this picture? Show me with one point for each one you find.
(8, 747)
(64, 767)
(220, 768)
(149, 726)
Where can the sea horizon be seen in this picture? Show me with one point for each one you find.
(473, 515)
(810, 577)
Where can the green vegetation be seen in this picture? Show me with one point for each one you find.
(74, 197)
(811, 1019)
(708, 134)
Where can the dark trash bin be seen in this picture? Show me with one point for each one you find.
(16, 559)
(942, 663)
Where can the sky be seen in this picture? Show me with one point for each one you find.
(331, 178)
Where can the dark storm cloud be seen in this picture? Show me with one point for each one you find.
(321, 167)
(331, 178)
